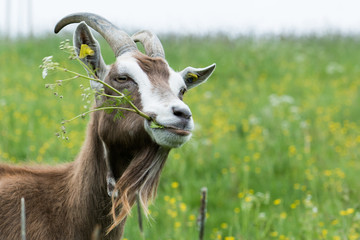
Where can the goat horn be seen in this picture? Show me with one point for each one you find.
(151, 42)
(119, 41)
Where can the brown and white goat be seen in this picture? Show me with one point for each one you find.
(119, 159)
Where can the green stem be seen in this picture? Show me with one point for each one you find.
(111, 96)
(99, 109)
(67, 79)
(86, 67)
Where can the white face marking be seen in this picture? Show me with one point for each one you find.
(158, 102)
(176, 82)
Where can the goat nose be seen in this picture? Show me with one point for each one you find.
(182, 112)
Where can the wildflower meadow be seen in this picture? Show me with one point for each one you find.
(277, 139)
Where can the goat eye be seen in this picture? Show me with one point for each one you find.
(122, 78)
(182, 92)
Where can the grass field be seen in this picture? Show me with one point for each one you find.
(277, 140)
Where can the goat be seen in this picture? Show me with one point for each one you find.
(118, 159)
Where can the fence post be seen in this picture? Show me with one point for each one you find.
(23, 220)
(7, 19)
(202, 216)
(30, 18)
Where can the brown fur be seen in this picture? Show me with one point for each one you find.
(61, 203)
(69, 201)
(156, 69)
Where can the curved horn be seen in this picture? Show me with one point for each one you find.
(118, 40)
(151, 42)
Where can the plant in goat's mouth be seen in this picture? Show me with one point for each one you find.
(113, 102)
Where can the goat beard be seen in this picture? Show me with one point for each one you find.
(140, 178)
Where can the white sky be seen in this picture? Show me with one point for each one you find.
(193, 16)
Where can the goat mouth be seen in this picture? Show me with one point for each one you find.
(172, 129)
(177, 131)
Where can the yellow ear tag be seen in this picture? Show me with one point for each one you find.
(85, 50)
(191, 77)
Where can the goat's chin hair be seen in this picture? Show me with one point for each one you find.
(140, 177)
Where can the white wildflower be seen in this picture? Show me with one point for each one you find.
(44, 73)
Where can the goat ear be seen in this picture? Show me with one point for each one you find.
(196, 76)
(94, 61)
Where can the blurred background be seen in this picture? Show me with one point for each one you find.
(27, 17)
(277, 138)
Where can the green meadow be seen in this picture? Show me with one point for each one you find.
(277, 139)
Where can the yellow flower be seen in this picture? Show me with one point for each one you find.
(224, 226)
(283, 215)
(85, 50)
(277, 201)
(292, 150)
(177, 224)
(350, 211)
(347, 212)
(172, 201)
(229, 238)
(192, 217)
(282, 237)
(183, 207)
(324, 233)
(339, 173)
(334, 222)
(172, 213)
(174, 185)
(256, 156)
(248, 199)
(354, 236)
(274, 234)
(327, 173)
(293, 206)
